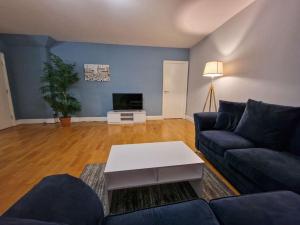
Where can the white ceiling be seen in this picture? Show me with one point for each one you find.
(166, 23)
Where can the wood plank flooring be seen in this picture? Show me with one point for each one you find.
(30, 152)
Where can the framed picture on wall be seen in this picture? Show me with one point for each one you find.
(96, 72)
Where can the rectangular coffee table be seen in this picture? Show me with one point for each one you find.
(136, 165)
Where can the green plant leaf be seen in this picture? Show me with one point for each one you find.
(56, 82)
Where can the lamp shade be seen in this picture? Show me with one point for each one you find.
(213, 69)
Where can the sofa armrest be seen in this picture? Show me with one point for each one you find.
(59, 199)
(205, 121)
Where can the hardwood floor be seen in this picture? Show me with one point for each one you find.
(30, 152)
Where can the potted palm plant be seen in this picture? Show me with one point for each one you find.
(56, 82)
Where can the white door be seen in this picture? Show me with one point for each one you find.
(175, 75)
(7, 118)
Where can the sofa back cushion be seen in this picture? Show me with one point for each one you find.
(229, 115)
(59, 199)
(268, 125)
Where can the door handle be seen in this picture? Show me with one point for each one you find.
(166, 92)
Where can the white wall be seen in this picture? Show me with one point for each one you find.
(261, 50)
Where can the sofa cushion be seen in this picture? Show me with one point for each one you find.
(229, 115)
(18, 221)
(220, 141)
(60, 199)
(273, 208)
(195, 212)
(268, 125)
(270, 170)
(294, 146)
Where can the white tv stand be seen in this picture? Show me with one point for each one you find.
(126, 116)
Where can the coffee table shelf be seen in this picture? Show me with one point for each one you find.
(137, 178)
(179, 173)
(128, 179)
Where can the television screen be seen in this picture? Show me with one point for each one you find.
(128, 101)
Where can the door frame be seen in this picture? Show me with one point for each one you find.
(174, 62)
(6, 82)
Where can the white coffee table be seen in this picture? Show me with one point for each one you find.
(136, 165)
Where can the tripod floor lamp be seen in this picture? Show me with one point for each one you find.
(212, 69)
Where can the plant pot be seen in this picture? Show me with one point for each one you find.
(65, 121)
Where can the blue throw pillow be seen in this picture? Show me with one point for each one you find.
(229, 115)
(268, 125)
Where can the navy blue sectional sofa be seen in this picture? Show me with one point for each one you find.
(63, 199)
(256, 146)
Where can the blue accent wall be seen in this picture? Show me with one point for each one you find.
(25, 67)
(133, 69)
(25, 55)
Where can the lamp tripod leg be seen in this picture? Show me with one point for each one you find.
(210, 98)
(214, 98)
(206, 100)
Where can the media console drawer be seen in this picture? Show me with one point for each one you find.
(119, 117)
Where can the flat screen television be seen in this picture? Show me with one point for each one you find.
(127, 101)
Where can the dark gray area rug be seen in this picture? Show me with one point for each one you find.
(133, 199)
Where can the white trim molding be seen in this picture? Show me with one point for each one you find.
(88, 119)
(189, 118)
(74, 119)
(34, 121)
(155, 118)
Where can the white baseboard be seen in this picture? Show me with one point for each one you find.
(88, 119)
(190, 118)
(74, 119)
(154, 117)
(34, 121)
